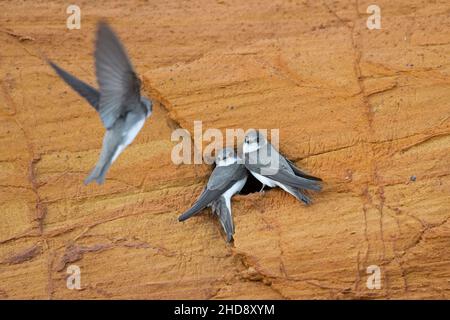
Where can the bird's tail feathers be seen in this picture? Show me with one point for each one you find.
(298, 194)
(220, 208)
(98, 173)
(314, 185)
(303, 197)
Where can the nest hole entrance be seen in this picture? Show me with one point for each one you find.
(252, 185)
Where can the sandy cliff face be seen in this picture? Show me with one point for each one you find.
(366, 110)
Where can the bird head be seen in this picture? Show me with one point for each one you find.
(225, 156)
(253, 141)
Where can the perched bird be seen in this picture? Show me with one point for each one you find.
(273, 170)
(227, 179)
(122, 109)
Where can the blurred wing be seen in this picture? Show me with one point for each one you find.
(119, 85)
(86, 91)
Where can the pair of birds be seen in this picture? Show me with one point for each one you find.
(229, 176)
(123, 112)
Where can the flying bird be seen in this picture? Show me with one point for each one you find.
(118, 101)
(273, 170)
(227, 179)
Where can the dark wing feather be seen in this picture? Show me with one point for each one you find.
(221, 179)
(300, 173)
(261, 162)
(220, 208)
(296, 181)
(286, 177)
(205, 198)
(119, 85)
(86, 91)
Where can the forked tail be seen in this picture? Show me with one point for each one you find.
(98, 173)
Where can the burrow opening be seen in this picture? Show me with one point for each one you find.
(252, 185)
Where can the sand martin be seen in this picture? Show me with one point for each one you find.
(273, 170)
(122, 109)
(227, 179)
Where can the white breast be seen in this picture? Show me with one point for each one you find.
(128, 138)
(119, 150)
(232, 191)
(272, 183)
(264, 180)
(132, 133)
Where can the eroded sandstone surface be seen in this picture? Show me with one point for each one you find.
(366, 110)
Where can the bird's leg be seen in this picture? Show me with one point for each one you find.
(262, 188)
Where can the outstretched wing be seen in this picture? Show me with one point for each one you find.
(119, 85)
(83, 89)
(221, 179)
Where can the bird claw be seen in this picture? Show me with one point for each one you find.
(262, 190)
